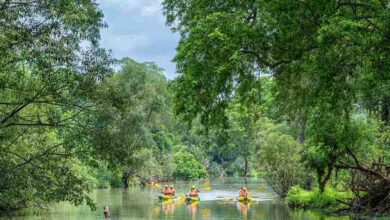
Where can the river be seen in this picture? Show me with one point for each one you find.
(139, 203)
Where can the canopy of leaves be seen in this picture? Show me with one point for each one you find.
(278, 156)
(187, 167)
(46, 82)
(320, 52)
(329, 61)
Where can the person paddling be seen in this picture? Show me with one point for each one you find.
(243, 193)
(166, 191)
(241, 189)
(106, 212)
(172, 190)
(193, 192)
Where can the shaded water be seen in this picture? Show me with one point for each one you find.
(218, 203)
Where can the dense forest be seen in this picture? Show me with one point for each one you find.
(294, 92)
(329, 62)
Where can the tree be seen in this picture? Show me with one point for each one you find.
(241, 135)
(135, 109)
(278, 156)
(50, 65)
(329, 60)
(187, 167)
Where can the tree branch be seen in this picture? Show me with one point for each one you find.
(15, 111)
(365, 170)
(21, 106)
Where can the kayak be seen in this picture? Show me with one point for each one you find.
(167, 202)
(154, 186)
(244, 199)
(164, 197)
(192, 199)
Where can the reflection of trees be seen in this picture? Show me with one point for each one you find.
(136, 203)
(272, 210)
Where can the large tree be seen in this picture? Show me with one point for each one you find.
(329, 59)
(49, 65)
(135, 112)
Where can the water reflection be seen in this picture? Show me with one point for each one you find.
(219, 203)
(211, 210)
(192, 209)
(243, 208)
(206, 213)
(168, 208)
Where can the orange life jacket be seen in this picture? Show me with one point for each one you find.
(244, 193)
(166, 192)
(193, 193)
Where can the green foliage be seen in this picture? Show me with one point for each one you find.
(254, 75)
(240, 136)
(215, 170)
(278, 157)
(50, 67)
(328, 61)
(131, 125)
(103, 175)
(330, 138)
(187, 167)
(328, 199)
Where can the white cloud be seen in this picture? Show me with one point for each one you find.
(151, 9)
(136, 29)
(126, 5)
(125, 42)
(147, 8)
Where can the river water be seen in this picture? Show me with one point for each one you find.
(217, 202)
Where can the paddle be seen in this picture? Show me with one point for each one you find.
(182, 197)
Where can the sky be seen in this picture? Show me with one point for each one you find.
(136, 29)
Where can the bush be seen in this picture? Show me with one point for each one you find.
(216, 170)
(187, 167)
(329, 199)
(278, 157)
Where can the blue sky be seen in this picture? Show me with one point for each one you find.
(136, 29)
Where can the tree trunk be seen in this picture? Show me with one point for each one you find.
(385, 114)
(323, 181)
(301, 139)
(301, 133)
(125, 179)
(246, 170)
(246, 167)
(308, 181)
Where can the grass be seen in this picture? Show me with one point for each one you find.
(329, 199)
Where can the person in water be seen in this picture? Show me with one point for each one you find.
(172, 190)
(106, 212)
(166, 191)
(243, 192)
(193, 192)
(241, 189)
